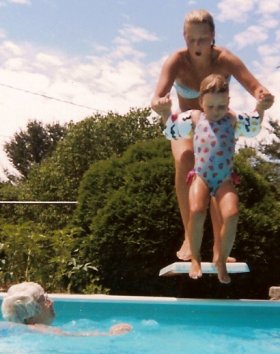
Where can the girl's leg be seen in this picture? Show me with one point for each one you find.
(184, 160)
(198, 201)
(227, 200)
(217, 224)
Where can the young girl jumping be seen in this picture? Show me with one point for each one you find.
(214, 130)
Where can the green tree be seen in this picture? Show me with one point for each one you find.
(9, 192)
(93, 139)
(86, 142)
(30, 146)
(272, 151)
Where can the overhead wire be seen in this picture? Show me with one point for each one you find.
(51, 98)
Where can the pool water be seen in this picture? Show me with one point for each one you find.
(159, 326)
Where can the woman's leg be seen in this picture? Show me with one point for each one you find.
(227, 200)
(198, 201)
(184, 160)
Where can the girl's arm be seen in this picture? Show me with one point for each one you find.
(180, 126)
(248, 124)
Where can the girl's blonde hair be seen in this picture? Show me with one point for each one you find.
(198, 17)
(214, 83)
(21, 302)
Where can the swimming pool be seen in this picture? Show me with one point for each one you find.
(160, 325)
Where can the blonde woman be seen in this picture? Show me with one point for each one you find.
(184, 70)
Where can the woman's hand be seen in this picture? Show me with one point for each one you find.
(120, 328)
(265, 98)
(162, 106)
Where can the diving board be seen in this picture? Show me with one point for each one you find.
(178, 268)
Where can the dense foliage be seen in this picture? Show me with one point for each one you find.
(134, 226)
(126, 225)
(58, 176)
(129, 209)
(30, 252)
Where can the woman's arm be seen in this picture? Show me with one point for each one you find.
(241, 73)
(161, 102)
(120, 328)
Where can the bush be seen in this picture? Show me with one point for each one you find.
(132, 227)
(30, 253)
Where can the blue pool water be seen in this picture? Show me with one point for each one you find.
(159, 326)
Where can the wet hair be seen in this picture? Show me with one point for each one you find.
(21, 302)
(214, 83)
(198, 17)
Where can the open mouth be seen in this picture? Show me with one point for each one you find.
(198, 53)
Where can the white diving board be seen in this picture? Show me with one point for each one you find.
(178, 268)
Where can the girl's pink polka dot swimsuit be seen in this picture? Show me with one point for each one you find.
(214, 145)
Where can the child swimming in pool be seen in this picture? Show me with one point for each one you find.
(214, 130)
(27, 303)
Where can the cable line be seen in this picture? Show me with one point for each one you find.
(50, 97)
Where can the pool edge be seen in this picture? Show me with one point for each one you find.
(120, 298)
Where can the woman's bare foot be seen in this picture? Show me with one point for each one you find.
(184, 253)
(195, 271)
(223, 276)
(229, 260)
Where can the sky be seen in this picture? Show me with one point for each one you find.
(92, 56)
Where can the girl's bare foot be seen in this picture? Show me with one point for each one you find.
(223, 276)
(195, 271)
(184, 253)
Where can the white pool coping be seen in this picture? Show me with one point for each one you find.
(106, 297)
(125, 298)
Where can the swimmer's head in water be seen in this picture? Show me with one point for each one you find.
(27, 303)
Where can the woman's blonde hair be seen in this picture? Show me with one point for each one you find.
(198, 17)
(214, 83)
(21, 302)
